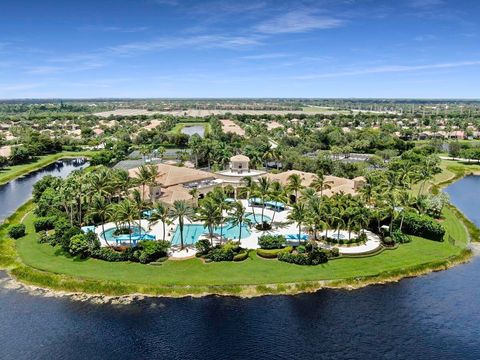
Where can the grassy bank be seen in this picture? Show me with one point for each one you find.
(44, 266)
(12, 172)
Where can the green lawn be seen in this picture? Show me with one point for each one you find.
(252, 271)
(9, 173)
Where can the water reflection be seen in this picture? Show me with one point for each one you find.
(18, 191)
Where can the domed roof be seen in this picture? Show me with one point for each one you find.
(239, 158)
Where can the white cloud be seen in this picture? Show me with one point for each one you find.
(198, 41)
(166, 2)
(104, 28)
(298, 21)
(424, 4)
(265, 56)
(389, 69)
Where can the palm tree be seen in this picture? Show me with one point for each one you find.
(209, 214)
(295, 184)
(251, 187)
(319, 183)
(277, 194)
(144, 177)
(263, 191)
(141, 205)
(126, 212)
(181, 211)
(101, 209)
(161, 213)
(121, 182)
(219, 198)
(315, 214)
(299, 215)
(239, 217)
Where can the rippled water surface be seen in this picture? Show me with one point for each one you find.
(465, 194)
(432, 317)
(17, 192)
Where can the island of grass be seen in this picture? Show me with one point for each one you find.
(46, 266)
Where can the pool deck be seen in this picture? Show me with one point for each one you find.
(285, 227)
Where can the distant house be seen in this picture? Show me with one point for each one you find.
(98, 132)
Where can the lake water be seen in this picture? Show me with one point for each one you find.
(17, 192)
(431, 317)
(194, 129)
(465, 195)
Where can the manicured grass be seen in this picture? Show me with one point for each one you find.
(253, 271)
(9, 173)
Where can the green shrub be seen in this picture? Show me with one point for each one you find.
(271, 241)
(332, 253)
(79, 246)
(241, 256)
(273, 253)
(203, 247)
(221, 254)
(387, 240)
(109, 254)
(400, 238)
(312, 256)
(17, 231)
(362, 237)
(422, 226)
(148, 251)
(44, 238)
(268, 253)
(44, 223)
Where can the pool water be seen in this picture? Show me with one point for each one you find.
(257, 218)
(338, 236)
(191, 233)
(137, 234)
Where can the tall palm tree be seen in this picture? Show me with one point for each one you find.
(277, 194)
(161, 213)
(299, 215)
(101, 209)
(209, 214)
(315, 214)
(239, 218)
(319, 183)
(219, 198)
(126, 212)
(251, 187)
(295, 184)
(144, 177)
(263, 192)
(121, 182)
(141, 205)
(181, 211)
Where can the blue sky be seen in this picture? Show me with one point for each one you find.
(262, 48)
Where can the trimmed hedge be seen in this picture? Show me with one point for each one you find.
(422, 226)
(240, 257)
(273, 253)
(314, 257)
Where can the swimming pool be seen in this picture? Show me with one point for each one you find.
(337, 236)
(191, 233)
(137, 234)
(257, 218)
